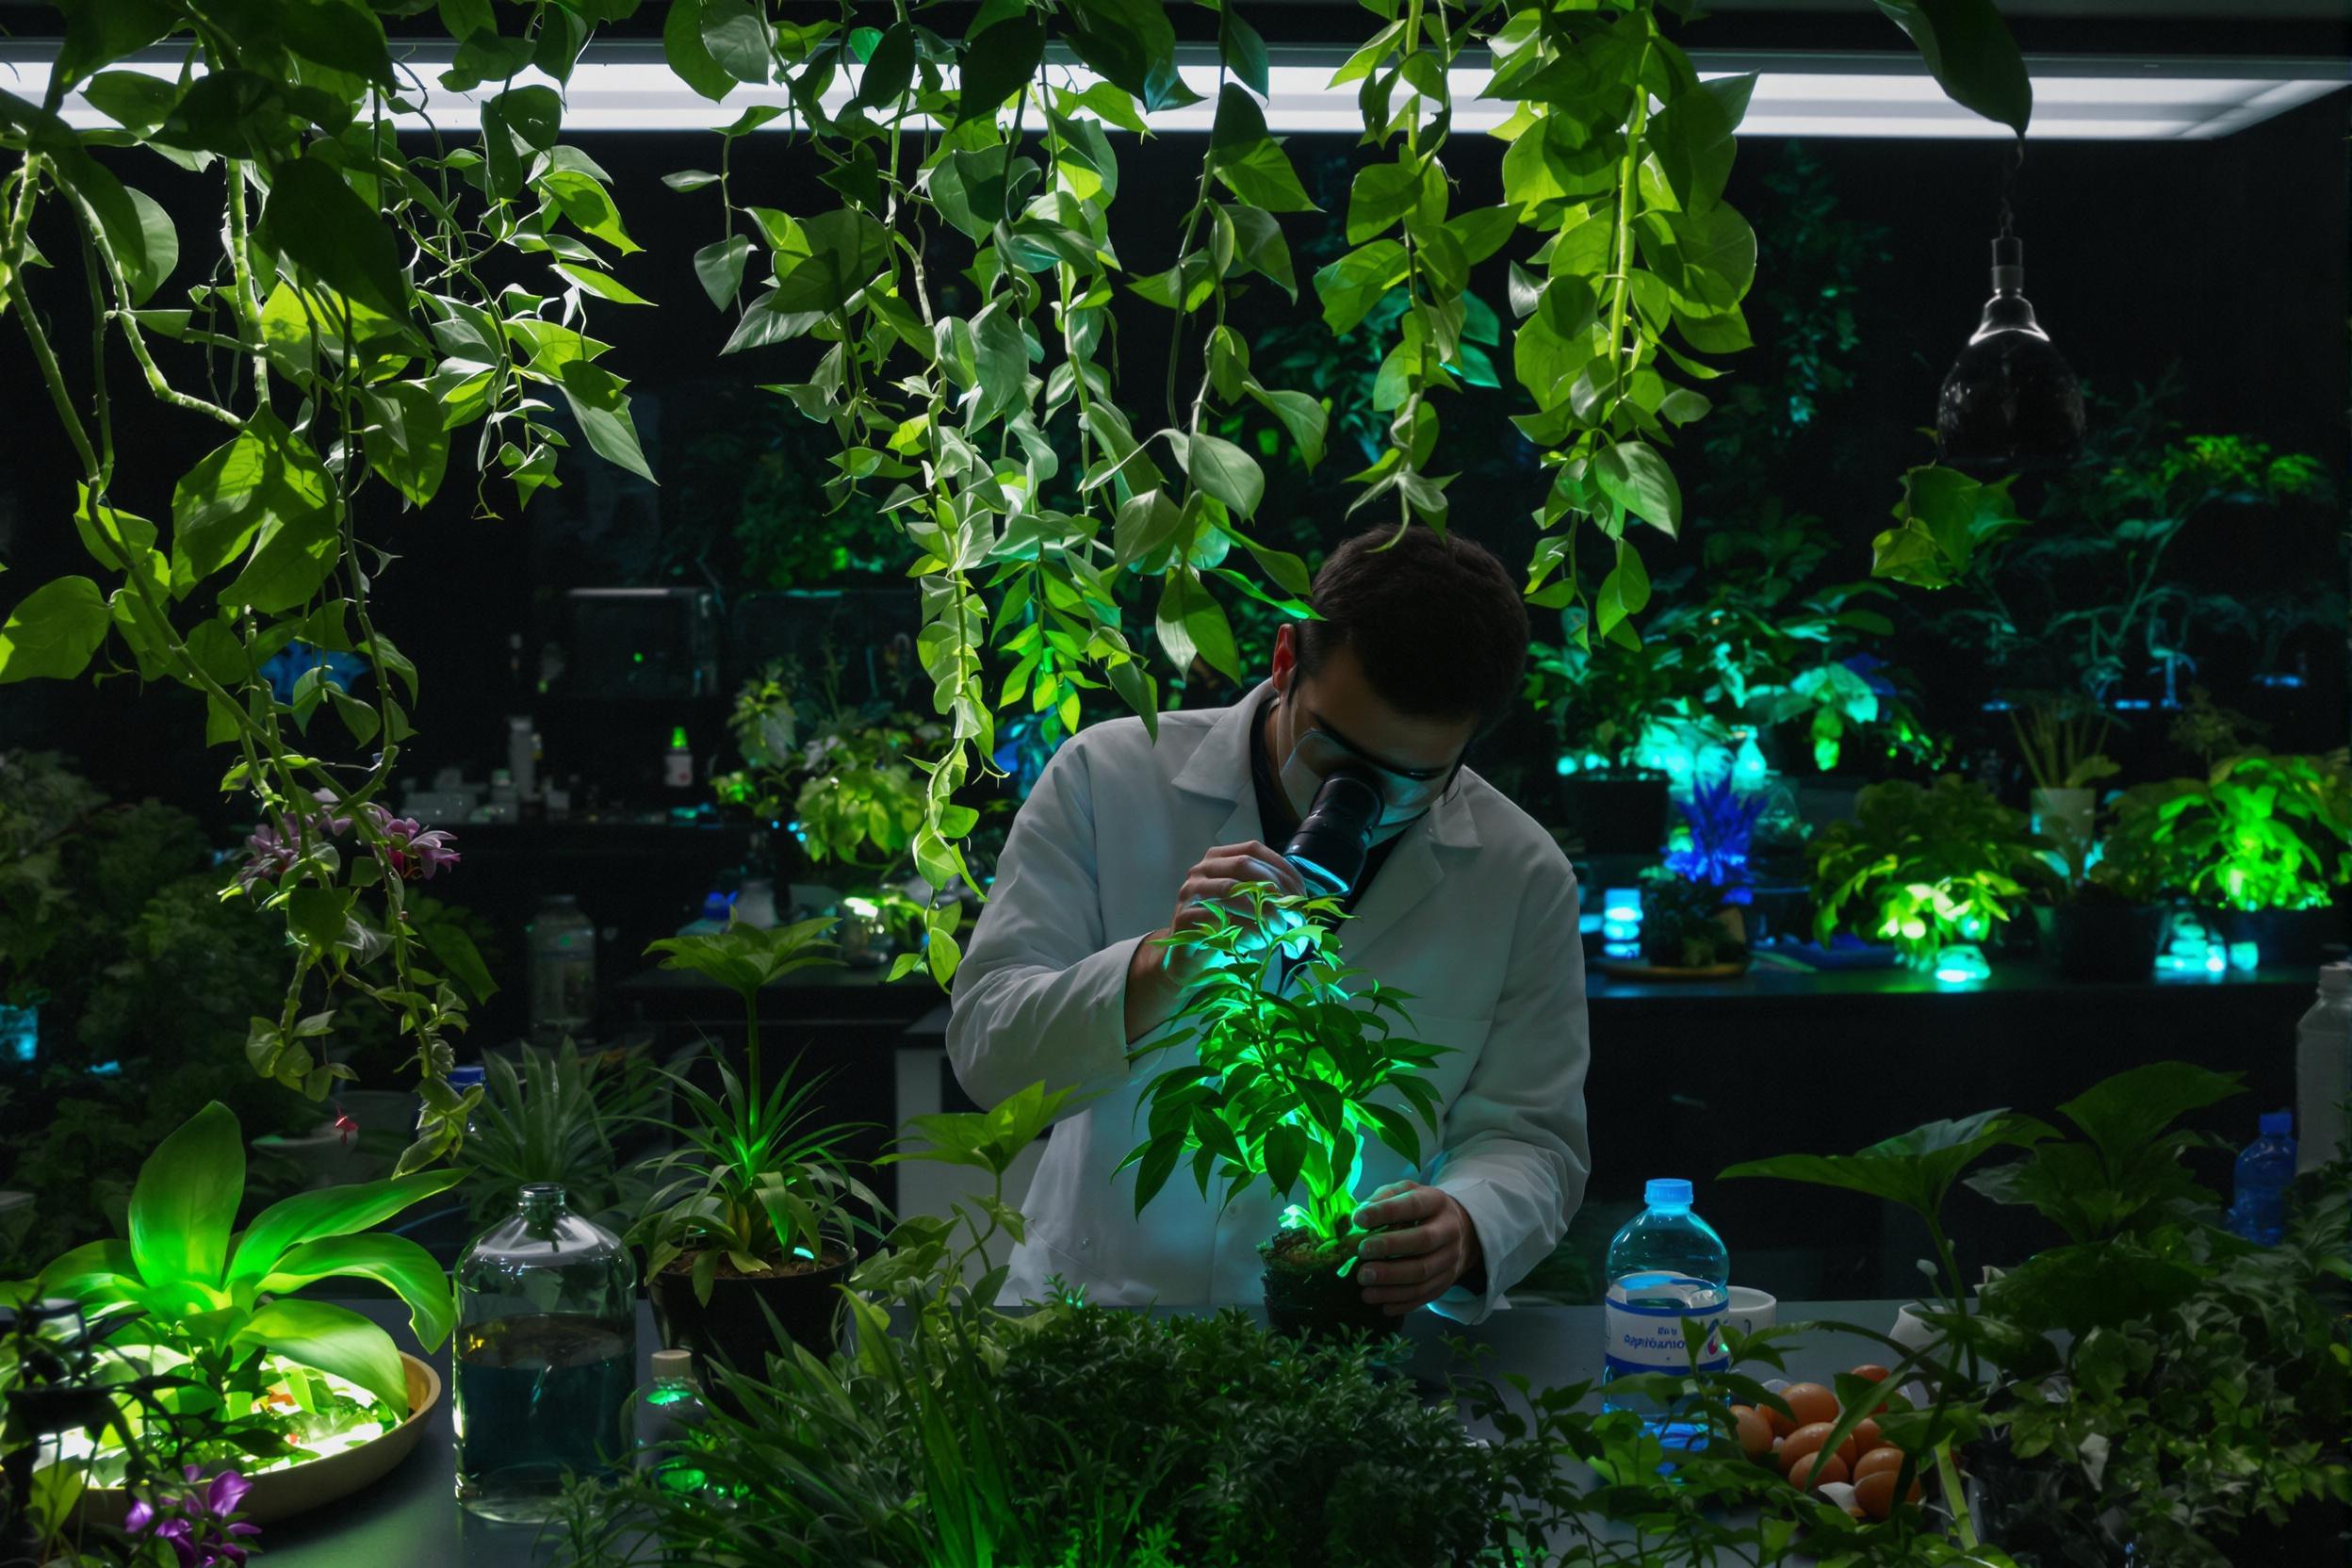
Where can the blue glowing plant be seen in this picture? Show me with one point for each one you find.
(1722, 820)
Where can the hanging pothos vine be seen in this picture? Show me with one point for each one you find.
(366, 302)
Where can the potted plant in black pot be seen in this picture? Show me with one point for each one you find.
(2106, 923)
(1290, 1050)
(2261, 841)
(749, 1227)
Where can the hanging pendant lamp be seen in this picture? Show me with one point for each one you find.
(2010, 401)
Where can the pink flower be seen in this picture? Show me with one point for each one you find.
(417, 852)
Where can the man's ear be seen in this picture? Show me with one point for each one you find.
(1285, 661)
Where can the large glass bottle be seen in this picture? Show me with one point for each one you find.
(546, 1358)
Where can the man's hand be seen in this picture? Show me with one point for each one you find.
(1156, 976)
(1423, 1245)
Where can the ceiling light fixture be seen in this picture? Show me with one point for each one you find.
(624, 85)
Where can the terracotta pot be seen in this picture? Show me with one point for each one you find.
(733, 1329)
(1306, 1298)
(2100, 941)
(299, 1489)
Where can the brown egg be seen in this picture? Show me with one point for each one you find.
(1884, 1456)
(1874, 1493)
(1863, 1439)
(1814, 1469)
(1871, 1370)
(1811, 1403)
(1756, 1433)
(1780, 1424)
(1804, 1440)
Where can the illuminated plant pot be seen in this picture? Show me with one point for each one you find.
(2288, 937)
(732, 1328)
(2100, 941)
(300, 1488)
(1306, 1296)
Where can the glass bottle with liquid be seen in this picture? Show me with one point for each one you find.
(668, 1416)
(546, 1358)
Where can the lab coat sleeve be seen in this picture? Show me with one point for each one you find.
(1516, 1152)
(1041, 992)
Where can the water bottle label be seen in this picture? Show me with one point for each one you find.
(1646, 1329)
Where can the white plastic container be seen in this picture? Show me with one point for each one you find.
(2323, 1069)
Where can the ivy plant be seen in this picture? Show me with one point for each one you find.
(364, 303)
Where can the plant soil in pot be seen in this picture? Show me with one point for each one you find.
(732, 1328)
(2100, 941)
(1306, 1296)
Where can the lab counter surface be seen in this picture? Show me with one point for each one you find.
(411, 1519)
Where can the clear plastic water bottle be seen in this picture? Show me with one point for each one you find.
(1665, 1267)
(2323, 1069)
(668, 1416)
(2258, 1211)
(562, 969)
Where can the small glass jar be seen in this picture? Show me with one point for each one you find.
(546, 1358)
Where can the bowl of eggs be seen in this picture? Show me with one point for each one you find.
(1860, 1475)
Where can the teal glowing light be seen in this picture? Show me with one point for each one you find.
(1960, 964)
(804, 1252)
(1749, 771)
(19, 1033)
(1566, 764)
(2246, 956)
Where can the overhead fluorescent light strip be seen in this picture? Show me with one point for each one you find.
(1819, 96)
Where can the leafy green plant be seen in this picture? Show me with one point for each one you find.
(2152, 1383)
(2087, 598)
(2259, 832)
(1682, 922)
(1283, 1087)
(549, 1118)
(751, 1184)
(894, 1451)
(216, 1306)
(1923, 866)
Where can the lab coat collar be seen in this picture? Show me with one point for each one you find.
(1218, 769)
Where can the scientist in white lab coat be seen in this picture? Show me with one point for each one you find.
(1465, 903)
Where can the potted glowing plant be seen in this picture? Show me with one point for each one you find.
(748, 1220)
(1934, 870)
(1291, 1050)
(308, 1400)
(2261, 841)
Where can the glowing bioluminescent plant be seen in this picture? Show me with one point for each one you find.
(214, 1307)
(2260, 832)
(1925, 867)
(1293, 1047)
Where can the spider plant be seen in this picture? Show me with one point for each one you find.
(550, 1116)
(752, 1182)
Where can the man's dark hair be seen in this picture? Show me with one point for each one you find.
(1438, 625)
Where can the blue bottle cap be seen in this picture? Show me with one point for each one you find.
(2277, 1124)
(1667, 1192)
(466, 1077)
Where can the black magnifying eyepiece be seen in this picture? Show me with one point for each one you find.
(1331, 846)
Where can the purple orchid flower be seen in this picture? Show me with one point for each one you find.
(200, 1527)
(417, 852)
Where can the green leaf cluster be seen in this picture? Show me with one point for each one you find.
(216, 1299)
(1921, 866)
(1296, 1065)
(2258, 832)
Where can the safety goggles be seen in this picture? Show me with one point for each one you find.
(1405, 793)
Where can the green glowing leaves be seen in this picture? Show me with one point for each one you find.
(184, 1205)
(1351, 286)
(1623, 593)
(1942, 521)
(332, 1339)
(1227, 472)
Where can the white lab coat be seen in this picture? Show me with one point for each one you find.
(1475, 913)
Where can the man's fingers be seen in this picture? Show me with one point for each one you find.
(1413, 1242)
(1402, 1208)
